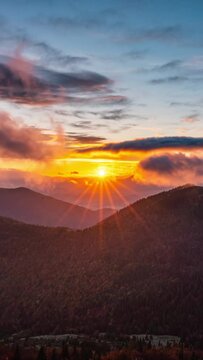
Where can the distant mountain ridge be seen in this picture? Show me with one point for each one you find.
(139, 271)
(32, 207)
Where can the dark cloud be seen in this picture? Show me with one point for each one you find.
(169, 164)
(22, 82)
(82, 124)
(176, 79)
(114, 115)
(150, 144)
(86, 124)
(21, 87)
(86, 139)
(117, 114)
(169, 80)
(171, 65)
(82, 81)
(20, 141)
(62, 112)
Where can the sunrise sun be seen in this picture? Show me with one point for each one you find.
(101, 172)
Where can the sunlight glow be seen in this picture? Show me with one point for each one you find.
(101, 172)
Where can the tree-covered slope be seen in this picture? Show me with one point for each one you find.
(139, 270)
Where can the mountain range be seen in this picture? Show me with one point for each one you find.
(34, 208)
(138, 271)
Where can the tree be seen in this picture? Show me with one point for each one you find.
(54, 355)
(17, 353)
(41, 354)
(64, 353)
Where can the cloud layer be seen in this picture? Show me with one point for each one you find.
(153, 143)
(23, 142)
(168, 164)
(21, 81)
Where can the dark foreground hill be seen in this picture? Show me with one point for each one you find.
(140, 270)
(34, 208)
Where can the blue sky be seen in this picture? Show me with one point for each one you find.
(150, 50)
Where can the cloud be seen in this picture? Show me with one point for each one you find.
(113, 100)
(87, 125)
(23, 142)
(113, 115)
(169, 65)
(21, 81)
(159, 34)
(82, 81)
(181, 103)
(192, 118)
(82, 124)
(86, 139)
(150, 144)
(169, 164)
(136, 54)
(176, 80)
(117, 114)
(102, 100)
(53, 56)
(169, 80)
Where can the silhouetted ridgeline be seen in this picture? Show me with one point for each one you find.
(31, 207)
(139, 270)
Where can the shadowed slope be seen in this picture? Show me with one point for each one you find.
(140, 270)
(34, 208)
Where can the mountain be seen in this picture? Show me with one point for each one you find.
(34, 208)
(140, 270)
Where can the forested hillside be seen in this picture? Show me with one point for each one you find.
(140, 270)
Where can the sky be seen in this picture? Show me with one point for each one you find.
(97, 93)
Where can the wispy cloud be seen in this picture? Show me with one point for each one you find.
(86, 139)
(169, 80)
(171, 65)
(49, 55)
(172, 33)
(87, 125)
(116, 114)
(191, 118)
